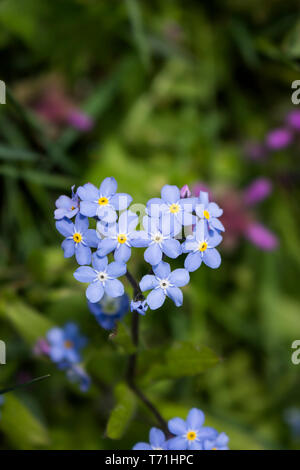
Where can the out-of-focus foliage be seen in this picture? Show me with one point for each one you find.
(175, 89)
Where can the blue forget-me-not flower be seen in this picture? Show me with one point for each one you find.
(65, 344)
(67, 206)
(109, 310)
(79, 238)
(201, 247)
(164, 283)
(102, 202)
(102, 278)
(190, 434)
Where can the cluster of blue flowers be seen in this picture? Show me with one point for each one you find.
(186, 435)
(118, 230)
(63, 346)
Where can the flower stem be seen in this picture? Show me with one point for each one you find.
(131, 370)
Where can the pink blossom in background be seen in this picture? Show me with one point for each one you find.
(278, 139)
(54, 106)
(257, 191)
(261, 236)
(185, 191)
(293, 119)
(41, 347)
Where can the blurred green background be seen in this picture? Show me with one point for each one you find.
(175, 89)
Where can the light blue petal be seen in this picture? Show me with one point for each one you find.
(55, 335)
(156, 437)
(188, 204)
(176, 295)
(140, 239)
(154, 207)
(171, 248)
(83, 254)
(162, 270)
(122, 253)
(153, 254)
(121, 201)
(88, 192)
(148, 282)
(99, 262)
(81, 223)
(177, 426)
(206, 432)
(64, 202)
(85, 274)
(212, 258)
(69, 248)
(142, 446)
(114, 288)
(194, 445)
(216, 224)
(195, 419)
(214, 238)
(91, 238)
(88, 208)
(56, 354)
(106, 246)
(65, 227)
(108, 186)
(156, 298)
(115, 269)
(188, 219)
(170, 194)
(189, 245)
(214, 210)
(179, 277)
(193, 261)
(95, 292)
(177, 443)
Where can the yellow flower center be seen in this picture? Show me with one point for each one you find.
(102, 201)
(206, 215)
(72, 208)
(68, 344)
(77, 237)
(174, 208)
(122, 238)
(202, 246)
(191, 435)
(214, 448)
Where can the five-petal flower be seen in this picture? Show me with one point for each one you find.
(102, 278)
(209, 211)
(79, 238)
(102, 202)
(175, 211)
(201, 247)
(118, 237)
(164, 283)
(65, 344)
(158, 237)
(190, 434)
(109, 310)
(67, 206)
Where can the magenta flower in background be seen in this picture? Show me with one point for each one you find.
(279, 138)
(293, 119)
(257, 191)
(261, 236)
(56, 107)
